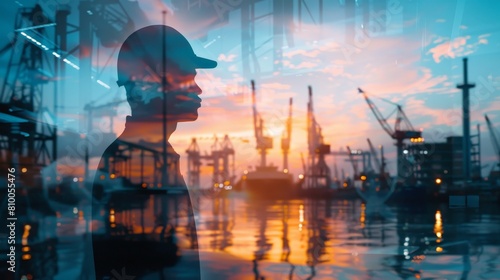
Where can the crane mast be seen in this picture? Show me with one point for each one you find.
(263, 143)
(287, 134)
(319, 172)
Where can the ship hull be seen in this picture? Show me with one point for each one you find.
(270, 189)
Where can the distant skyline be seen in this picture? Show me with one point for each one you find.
(415, 61)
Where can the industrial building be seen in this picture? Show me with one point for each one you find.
(440, 163)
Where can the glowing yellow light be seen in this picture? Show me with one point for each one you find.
(112, 211)
(26, 248)
(112, 176)
(112, 218)
(439, 249)
(363, 178)
(438, 181)
(245, 172)
(301, 176)
(216, 185)
(285, 171)
(24, 169)
(226, 183)
(244, 177)
(344, 184)
(26, 257)
(438, 225)
(26, 233)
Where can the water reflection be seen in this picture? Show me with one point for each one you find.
(309, 239)
(298, 239)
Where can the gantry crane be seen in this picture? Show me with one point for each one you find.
(319, 173)
(402, 130)
(287, 134)
(264, 143)
(221, 158)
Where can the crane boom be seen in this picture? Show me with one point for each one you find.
(378, 115)
(399, 133)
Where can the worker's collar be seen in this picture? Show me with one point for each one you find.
(133, 133)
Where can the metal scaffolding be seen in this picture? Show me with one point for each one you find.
(27, 129)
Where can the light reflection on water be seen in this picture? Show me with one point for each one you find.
(306, 239)
(347, 240)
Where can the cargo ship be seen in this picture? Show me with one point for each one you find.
(267, 182)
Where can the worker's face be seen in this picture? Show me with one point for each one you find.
(182, 95)
(185, 93)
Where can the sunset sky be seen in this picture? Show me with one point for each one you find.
(416, 62)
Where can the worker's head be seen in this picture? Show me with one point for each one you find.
(156, 62)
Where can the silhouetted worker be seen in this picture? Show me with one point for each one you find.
(154, 63)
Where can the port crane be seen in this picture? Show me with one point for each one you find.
(402, 130)
(221, 158)
(319, 170)
(263, 143)
(287, 134)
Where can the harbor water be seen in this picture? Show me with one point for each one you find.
(240, 238)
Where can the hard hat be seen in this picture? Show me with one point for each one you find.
(141, 54)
